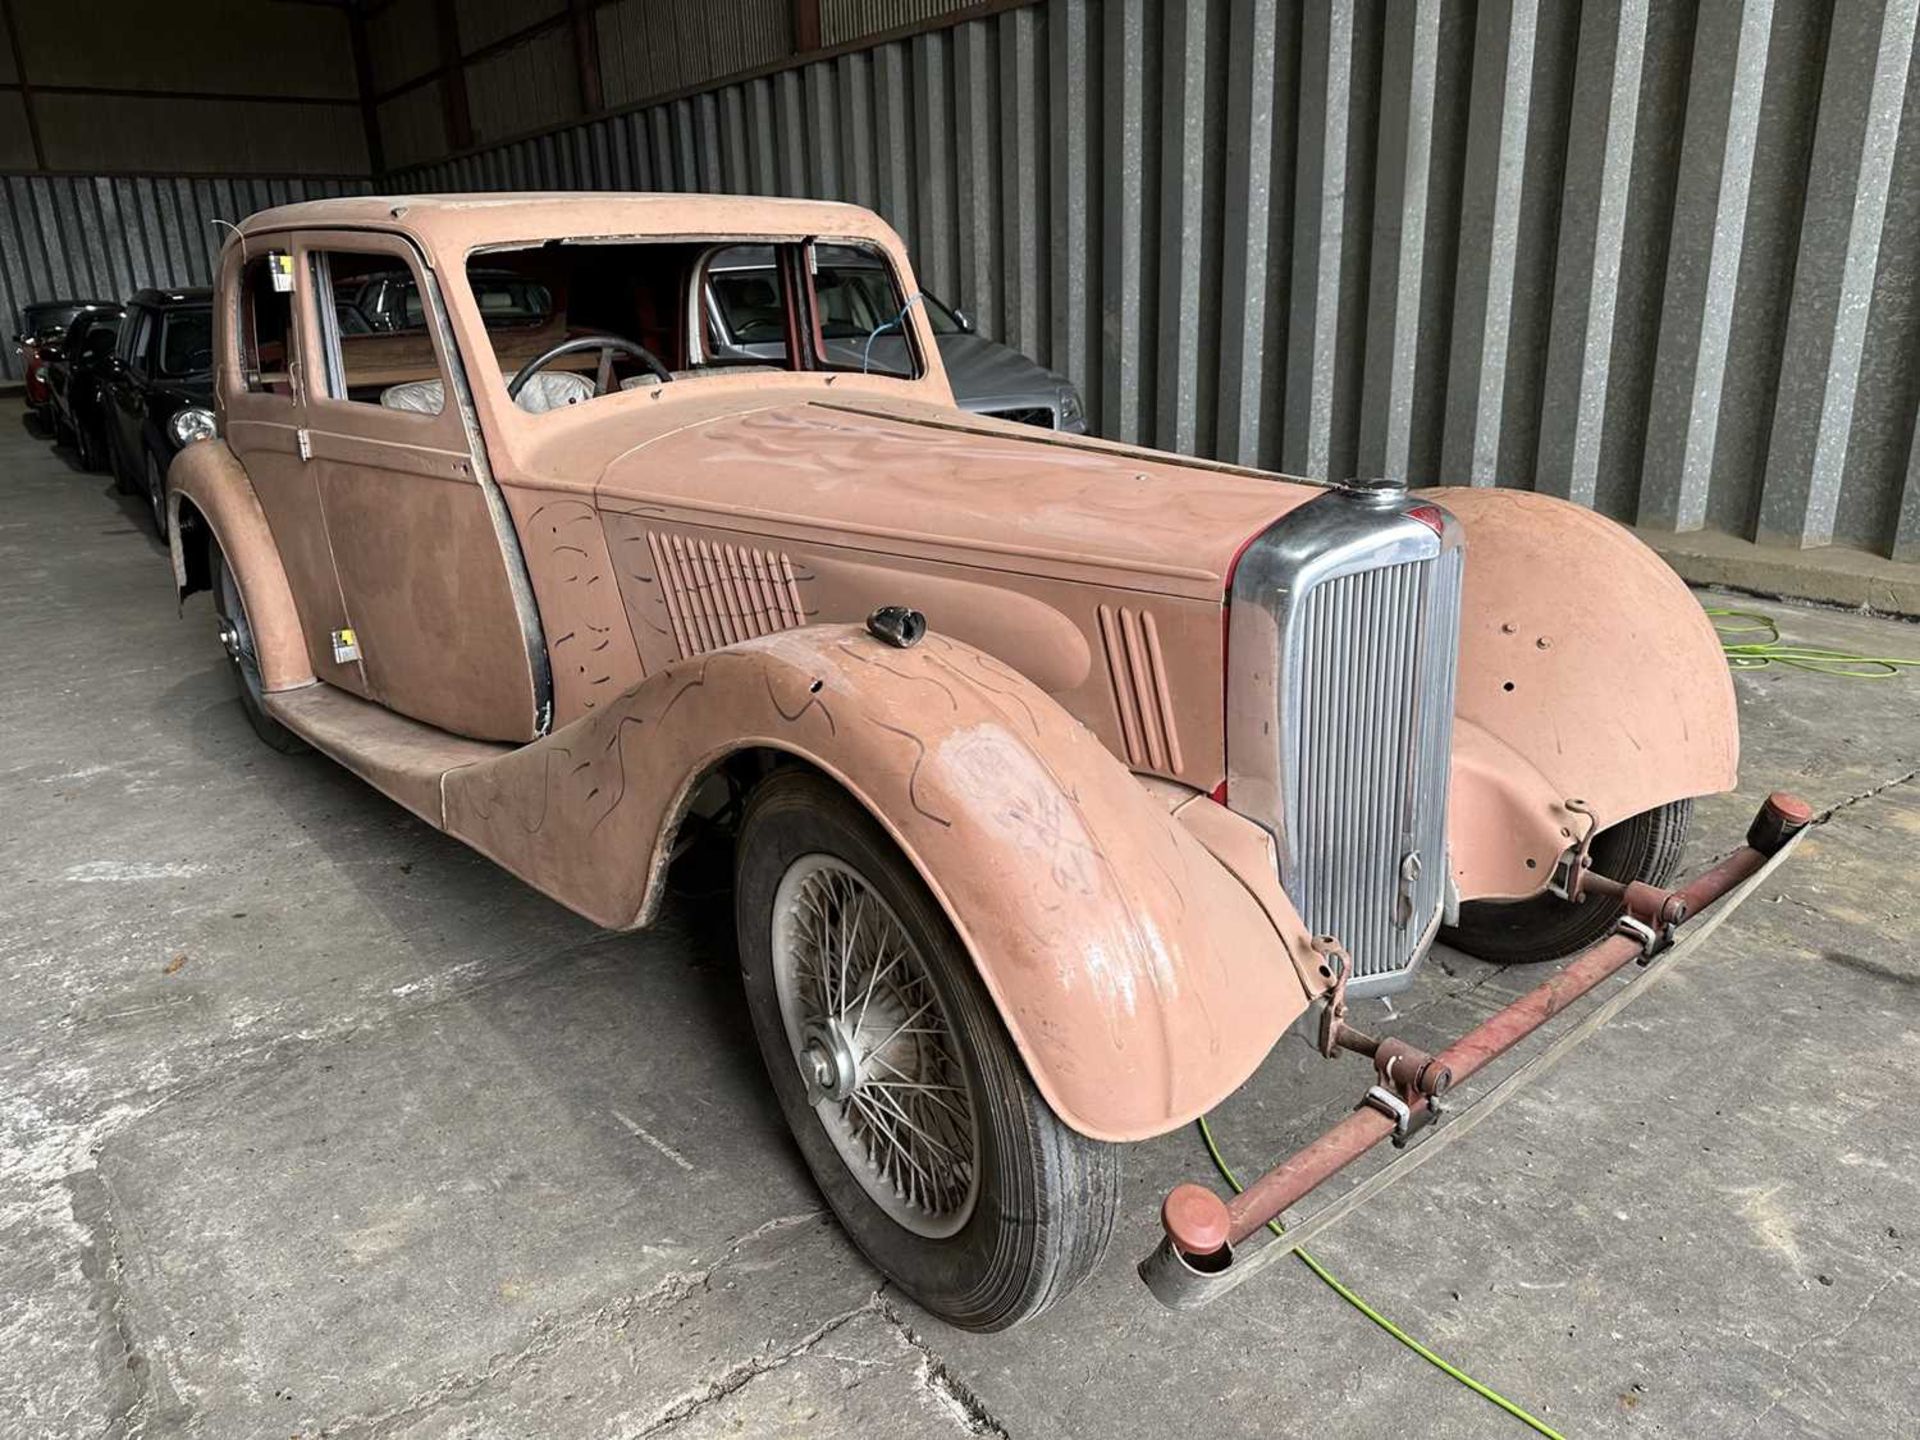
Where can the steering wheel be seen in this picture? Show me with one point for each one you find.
(607, 345)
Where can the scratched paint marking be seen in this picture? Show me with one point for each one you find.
(98, 872)
(640, 1132)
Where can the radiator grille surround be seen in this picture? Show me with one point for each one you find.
(1344, 650)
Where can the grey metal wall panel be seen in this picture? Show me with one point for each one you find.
(97, 238)
(16, 140)
(648, 48)
(524, 87)
(203, 45)
(413, 125)
(403, 41)
(1512, 242)
(845, 21)
(167, 135)
(481, 22)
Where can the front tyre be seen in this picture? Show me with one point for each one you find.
(1545, 927)
(157, 496)
(236, 635)
(908, 1100)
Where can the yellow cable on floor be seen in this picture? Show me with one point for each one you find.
(1486, 1392)
(1769, 649)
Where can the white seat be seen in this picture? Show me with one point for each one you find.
(548, 390)
(423, 397)
(554, 390)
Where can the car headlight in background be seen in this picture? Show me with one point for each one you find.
(192, 424)
(1070, 411)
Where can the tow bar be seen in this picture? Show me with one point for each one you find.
(1198, 1260)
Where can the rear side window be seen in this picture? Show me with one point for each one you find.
(107, 325)
(266, 324)
(858, 312)
(376, 347)
(186, 342)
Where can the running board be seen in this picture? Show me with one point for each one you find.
(401, 758)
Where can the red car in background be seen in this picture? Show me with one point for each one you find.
(40, 322)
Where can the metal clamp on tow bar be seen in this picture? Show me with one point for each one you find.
(1652, 941)
(1407, 1121)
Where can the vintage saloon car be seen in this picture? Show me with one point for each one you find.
(1049, 873)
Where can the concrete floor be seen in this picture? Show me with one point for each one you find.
(312, 1123)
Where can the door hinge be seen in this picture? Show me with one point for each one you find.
(305, 438)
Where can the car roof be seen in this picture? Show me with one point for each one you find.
(194, 296)
(455, 223)
(31, 312)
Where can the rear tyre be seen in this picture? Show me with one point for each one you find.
(87, 439)
(1545, 927)
(236, 635)
(906, 1096)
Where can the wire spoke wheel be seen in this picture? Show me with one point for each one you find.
(908, 1099)
(236, 638)
(236, 635)
(879, 1059)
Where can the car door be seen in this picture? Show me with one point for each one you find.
(427, 560)
(260, 387)
(126, 406)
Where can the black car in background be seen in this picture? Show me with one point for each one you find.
(76, 370)
(160, 396)
(42, 321)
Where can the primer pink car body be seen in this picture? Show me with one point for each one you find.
(565, 623)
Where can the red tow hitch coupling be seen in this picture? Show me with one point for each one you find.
(1198, 1261)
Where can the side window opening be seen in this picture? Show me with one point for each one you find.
(186, 342)
(375, 345)
(266, 325)
(684, 310)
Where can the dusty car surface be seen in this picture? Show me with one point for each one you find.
(1062, 776)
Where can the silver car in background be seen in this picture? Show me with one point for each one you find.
(860, 326)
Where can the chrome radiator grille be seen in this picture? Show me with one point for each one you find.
(1371, 680)
(1343, 643)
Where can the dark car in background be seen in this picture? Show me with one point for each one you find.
(77, 369)
(389, 302)
(41, 323)
(160, 397)
(860, 326)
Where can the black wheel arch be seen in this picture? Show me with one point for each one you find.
(196, 549)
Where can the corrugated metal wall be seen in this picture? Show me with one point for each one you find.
(843, 21)
(1661, 258)
(102, 239)
(126, 86)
